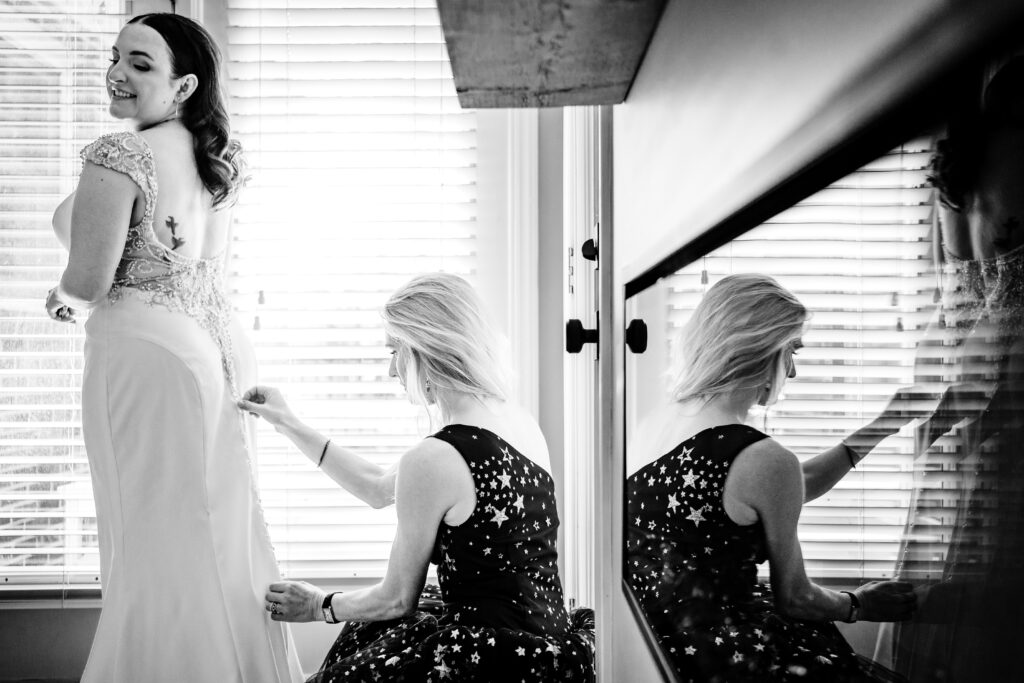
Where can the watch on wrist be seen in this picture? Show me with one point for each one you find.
(328, 609)
(854, 614)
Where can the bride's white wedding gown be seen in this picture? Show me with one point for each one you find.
(185, 553)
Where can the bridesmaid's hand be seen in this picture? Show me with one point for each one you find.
(886, 600)
(906, 405)
(294, 601)
(57, 309)
(268, 403)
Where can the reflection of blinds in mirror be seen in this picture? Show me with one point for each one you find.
(858, 254)
(364, 173)
(53, 57)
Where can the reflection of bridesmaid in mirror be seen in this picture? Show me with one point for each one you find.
(965, 542)
(710, 498)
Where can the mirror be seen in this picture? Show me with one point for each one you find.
(912, 270)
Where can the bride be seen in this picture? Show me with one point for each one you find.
(185, 555)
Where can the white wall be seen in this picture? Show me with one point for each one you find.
(721, 85)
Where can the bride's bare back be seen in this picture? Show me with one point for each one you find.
(184, 219)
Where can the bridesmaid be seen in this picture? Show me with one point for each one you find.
(476, 498)
(710, 498)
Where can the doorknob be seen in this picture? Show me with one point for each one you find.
(589, 250)
(636, 336)
(576, 336)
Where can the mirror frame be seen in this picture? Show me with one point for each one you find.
(901, 94)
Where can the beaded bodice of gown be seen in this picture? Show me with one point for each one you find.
(500, 567)
(986, 297)
(161, 276)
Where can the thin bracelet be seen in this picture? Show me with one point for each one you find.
(849, 454)
(323, 453)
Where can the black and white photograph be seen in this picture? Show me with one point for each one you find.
(511, 341)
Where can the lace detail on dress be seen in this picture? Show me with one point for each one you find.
(963, 291)
(991, 288)
(162, 277)
(157, 273)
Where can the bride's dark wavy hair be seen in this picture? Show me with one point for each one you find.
(219, 158)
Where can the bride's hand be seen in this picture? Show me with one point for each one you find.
(268, 403)
(57, 309)
(293, 601)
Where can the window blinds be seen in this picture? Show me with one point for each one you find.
(53, 57)
(858, 254)
(364, 173)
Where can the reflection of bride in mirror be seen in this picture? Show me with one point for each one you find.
(964, 547)
(710, 498)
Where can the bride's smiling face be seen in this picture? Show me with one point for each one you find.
(140, 79)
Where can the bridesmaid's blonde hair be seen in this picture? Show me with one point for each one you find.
(445, 341)
(734, 340)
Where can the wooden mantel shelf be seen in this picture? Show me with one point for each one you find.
(546, 53)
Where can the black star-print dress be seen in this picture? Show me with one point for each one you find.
(694, 572)
(501, 615)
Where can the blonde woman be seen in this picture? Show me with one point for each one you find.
(476, 498)
(710, 498)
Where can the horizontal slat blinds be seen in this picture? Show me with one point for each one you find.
(859, 255)
(53, 57)
(364, 173)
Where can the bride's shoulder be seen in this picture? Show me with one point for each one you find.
(166, 143)
(124, 152)
(125, 143)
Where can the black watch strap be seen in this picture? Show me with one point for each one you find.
(328, 609)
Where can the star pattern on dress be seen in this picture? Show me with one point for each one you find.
(511, 531)
(499, 516)
(679, 559)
